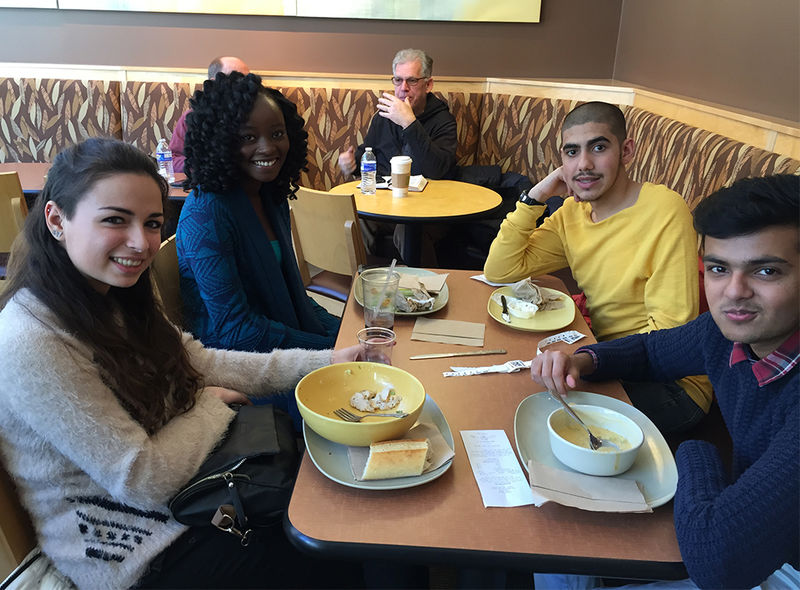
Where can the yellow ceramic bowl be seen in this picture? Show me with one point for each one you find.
(322, 391)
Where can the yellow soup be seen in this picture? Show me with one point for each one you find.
(572, 432)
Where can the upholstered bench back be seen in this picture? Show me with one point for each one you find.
(694, 162)
(522, 133)
(41, 117)
(150, 111)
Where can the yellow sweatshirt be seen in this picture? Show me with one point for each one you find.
(637, 268)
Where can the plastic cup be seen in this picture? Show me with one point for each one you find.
(378, 288)
(378, 344)
(401, 173)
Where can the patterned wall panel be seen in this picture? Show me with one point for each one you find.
(40, 117)
(335, 120)
(466, 108)
(150, 111)
(521, 133)
(694, 162)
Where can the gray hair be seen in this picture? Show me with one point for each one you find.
(407, 55)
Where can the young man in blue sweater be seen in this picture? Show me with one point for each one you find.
(734, 529)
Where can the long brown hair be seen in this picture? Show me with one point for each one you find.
(139, 354)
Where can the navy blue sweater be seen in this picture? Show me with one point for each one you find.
(733, 529)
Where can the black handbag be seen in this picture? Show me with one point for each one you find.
(246, 482)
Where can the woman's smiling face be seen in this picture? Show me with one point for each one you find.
(114, 232)
(264, 142)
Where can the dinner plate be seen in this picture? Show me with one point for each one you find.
(438, 303)
(542, 321)
(333, 461)
(654, 468)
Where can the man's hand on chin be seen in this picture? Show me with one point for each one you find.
(397, 111)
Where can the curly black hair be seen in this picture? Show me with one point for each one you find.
(212, 134)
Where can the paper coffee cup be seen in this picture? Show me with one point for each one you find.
(401, 172)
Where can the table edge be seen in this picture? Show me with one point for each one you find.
(469, 558)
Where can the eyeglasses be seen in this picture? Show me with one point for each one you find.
(410, 81)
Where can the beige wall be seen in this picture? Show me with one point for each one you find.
(320, 45)
(741, 53)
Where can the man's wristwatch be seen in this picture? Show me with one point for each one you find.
(527, 199)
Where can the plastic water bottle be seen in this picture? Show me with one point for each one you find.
(369, 167)
(164, 157)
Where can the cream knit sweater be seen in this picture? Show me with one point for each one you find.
(96, 485)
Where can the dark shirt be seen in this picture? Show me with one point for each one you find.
(430, 140)
(734, 529)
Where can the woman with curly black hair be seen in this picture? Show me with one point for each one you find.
(241, 288)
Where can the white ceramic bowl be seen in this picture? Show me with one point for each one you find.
(561, 427)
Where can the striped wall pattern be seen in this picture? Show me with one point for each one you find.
(40, 117)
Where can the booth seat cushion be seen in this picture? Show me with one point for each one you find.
(41, 117)
(150, 111)
(692, 161)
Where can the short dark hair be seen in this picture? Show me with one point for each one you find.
(749, 205)
(598, 112)
(212, 134)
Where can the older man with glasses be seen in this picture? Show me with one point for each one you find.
(410, 122)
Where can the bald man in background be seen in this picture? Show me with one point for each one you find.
(225, 65)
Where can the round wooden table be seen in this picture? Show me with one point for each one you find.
(440, 201)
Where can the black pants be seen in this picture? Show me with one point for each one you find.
(205, 557)
(666, 404)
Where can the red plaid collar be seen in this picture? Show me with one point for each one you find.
(773, 366)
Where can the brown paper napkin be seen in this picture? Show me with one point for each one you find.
(432, 283)
(448, 331)
(441, 452)
(587, 492)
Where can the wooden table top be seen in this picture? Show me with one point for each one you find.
(444, 521)
(33, 174)
(440, 200)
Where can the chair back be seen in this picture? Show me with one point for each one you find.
(17, 536)
(13, 209)
(327, 235)
(167, 279)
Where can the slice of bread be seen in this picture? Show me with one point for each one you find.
(396, 458)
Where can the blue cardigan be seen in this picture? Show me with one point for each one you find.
(733, 529)
(236, 294)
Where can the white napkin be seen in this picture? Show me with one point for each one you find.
(506, 367)
(587, 492)
(483, 279)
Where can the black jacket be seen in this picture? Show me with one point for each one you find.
(431, 142)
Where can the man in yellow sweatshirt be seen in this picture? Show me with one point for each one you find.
(630, 246)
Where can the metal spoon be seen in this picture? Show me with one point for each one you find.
(594, 442)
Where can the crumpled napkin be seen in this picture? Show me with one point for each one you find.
(587, 492)
(440, 451)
